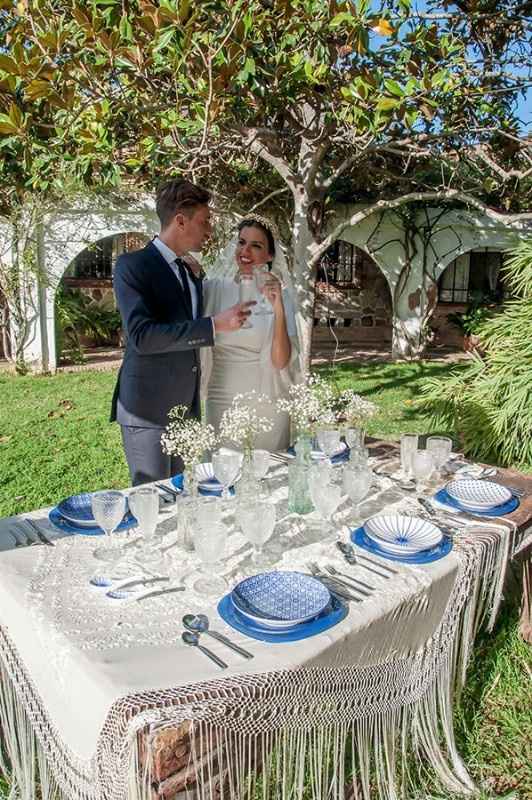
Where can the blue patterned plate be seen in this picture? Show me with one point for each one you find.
(280, 597)
(498, 511)
(360, 538)
(78, 510)
(478, 495)
(334, 613)
(62, 524)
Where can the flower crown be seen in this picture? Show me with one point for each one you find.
(265, 222)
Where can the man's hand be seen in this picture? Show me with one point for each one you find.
(233, 318)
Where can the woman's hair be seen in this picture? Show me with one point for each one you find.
(179, 196)
(257, 223)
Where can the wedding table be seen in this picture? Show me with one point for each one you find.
(101, 701)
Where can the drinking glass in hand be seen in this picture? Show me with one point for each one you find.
(246, 292)
(108, 509)
(226, 466)
(261, 279)
(209, 543)
(257, 520)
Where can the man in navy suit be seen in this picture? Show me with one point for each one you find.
(160, 302)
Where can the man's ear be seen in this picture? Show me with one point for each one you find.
(180, 220)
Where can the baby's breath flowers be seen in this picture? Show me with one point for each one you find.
(310, 405)
(187, 437)
(352, 410)
(242, 421)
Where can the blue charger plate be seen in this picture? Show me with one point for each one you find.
(64, 525)
(505, 508)
(177, 483)
(359, 536)
(335, 612)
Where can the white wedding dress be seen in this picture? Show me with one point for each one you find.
(240, 361)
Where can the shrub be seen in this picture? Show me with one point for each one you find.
(488, 403)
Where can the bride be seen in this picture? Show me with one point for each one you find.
(264, 356)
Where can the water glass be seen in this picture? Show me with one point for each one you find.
(260, 463)
(357, 481)
(257, 520)
(441, 448)
(144, 504)
(209, 544)
(108, 509)
(246, 292)
(226, 465)
(208, 512)
(329, 441)
(261, 279)
(422, 466)
(409, 445)
(354, 438)
(325, 495)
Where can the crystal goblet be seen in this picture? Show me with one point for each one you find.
(409, 445)
(330, 442)
(144, 503)
(209, 543)
(226, 466)
(257, 520)
(357, 481)
(262, 275)
(108, 509)
(441, 448)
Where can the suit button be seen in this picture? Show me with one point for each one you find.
(194, 369)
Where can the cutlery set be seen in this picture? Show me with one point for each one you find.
(347, 586)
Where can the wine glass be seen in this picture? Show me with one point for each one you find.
(261, 279)
(440, 447)
(329, 441)
(357, 481)
(257, 520)
(260, 463)
(144, 503)
(354, 438)
(325, 495)
(409, 445)
(226, 466)
(108, 509)
(246, 292)
(209, 543)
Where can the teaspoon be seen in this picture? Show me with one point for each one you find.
(199, 623)
(192, 639)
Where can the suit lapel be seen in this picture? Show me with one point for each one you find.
(168, 278)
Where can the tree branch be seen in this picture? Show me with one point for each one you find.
(266, 144)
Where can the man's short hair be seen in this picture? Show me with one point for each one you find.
(179, 196)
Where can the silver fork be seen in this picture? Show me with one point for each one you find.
(366, 587)
(335, 585)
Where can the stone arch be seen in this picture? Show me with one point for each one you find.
(62, 237)
(357, 297)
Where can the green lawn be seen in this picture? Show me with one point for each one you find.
(55, 440)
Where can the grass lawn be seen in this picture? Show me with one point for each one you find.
(55, 440)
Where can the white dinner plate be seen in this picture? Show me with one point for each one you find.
(401, 534)
(478, 495)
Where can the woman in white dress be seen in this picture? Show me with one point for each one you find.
(263, 357)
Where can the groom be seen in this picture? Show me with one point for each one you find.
(160, 301)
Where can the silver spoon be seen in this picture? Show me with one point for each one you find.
(192, 639)
(199, 623)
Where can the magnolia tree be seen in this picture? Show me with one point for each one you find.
(284, 104)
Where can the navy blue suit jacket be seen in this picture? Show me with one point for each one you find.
(161, 366)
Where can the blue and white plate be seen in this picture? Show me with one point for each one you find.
(331, 615)
(285, 598)
(207, 487)
(360, 538)
(401, 534)
(65, 525)
(498, 511)
(478, 495)
(78, 510)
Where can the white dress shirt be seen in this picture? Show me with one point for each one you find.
(170, 257)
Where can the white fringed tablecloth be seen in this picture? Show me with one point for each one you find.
(82, 676)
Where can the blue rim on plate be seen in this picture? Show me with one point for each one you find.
(62, 524)
(280, 596)
(335, 612)
(178, 480)
(358, 536)
(77, 508)
(498, 511)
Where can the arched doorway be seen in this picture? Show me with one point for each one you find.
(353, 303)
(473, 279)
(86, 318)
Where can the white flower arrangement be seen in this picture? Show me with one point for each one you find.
(310, 405)
(352, 410)
(241, 422)
(187, 437)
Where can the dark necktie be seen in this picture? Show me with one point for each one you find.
(182, 267)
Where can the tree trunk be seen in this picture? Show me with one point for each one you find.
(304, 280)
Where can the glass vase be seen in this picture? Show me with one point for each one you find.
(299, 499)
(186, 506)
(247, 485)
